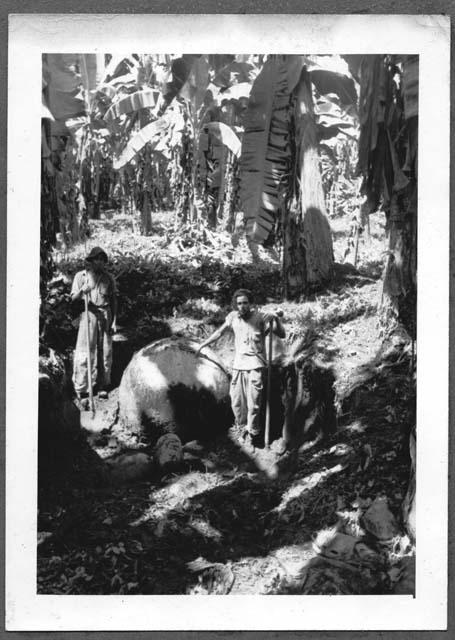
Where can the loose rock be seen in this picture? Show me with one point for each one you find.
(380, 521)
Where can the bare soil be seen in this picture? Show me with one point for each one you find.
(254, 515)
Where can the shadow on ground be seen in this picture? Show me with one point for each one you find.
(139, 538)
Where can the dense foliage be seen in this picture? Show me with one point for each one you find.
(200, 174)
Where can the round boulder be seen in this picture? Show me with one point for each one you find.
(167, 388)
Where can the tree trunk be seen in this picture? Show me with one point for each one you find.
(307, 240)
(96, 158)
(388, 146)
(186, 163)
(146, 214)
(225, 169)
(294, 258)
(399, 292)
(232, 196)
(212, 196)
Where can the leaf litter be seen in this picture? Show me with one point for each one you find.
(306, 531)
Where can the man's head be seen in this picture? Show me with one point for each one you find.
(96, 259)
(241, 301)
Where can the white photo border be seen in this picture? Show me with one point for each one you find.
(30, 35)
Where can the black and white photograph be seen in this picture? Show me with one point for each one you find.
(232, 296)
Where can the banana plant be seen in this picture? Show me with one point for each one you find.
(281, 189)
(129, 107)
(388, 162)
(186, 85)
(68, 81)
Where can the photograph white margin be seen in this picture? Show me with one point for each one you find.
(30, 35)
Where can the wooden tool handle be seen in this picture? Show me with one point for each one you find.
(89, 360)
(269, 387)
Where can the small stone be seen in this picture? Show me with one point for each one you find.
(279, 446)
(380, 521)
(168, 450)
(341, 449)
(129, 466)
(189, 457)
(364, 553)
(43, 536)
(341, 546)
(193, 447)
(405, 585)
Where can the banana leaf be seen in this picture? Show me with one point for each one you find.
(45, 113)
(327, 81)
(374, 161)
(126, 79)
(74, 124)
(45, 151)
(153, 134)
(133, 102)
(112, 66)
(150, 133)
(234, 71)
(108, 91)
(411, 86)
(226, 135)
(63, 96)
(92, 70)
(328, 132)
(237, 91)
(172, 137)
(197, 82)
(265, 150)
(354, 64)
(60, 70)
(332, 119)
(329, 75)
(178, 75)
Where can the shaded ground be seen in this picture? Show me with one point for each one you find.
(255, 531)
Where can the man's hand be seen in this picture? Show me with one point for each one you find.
(86, 288)
(274, 318)
(269, 316)
(273, 315)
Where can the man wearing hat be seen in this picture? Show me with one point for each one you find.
(95, 282)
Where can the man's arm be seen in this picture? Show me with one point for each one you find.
(278, 328)
(214, 337)
(79, 287)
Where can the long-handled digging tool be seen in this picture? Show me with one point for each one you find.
(269, 387)
(279, 314)
(89, 359)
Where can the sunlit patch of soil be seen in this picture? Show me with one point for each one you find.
(225, 508)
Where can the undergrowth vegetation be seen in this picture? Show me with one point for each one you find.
(199, 175)
(116, 539)
(159, 278)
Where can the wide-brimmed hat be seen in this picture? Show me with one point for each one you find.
(95, 253)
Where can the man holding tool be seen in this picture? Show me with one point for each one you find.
(93, 354)
(250, 328)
